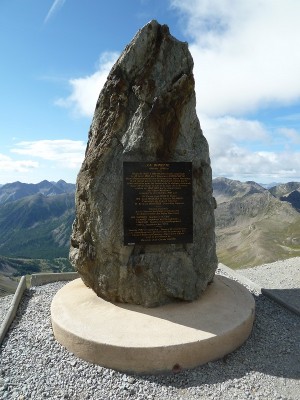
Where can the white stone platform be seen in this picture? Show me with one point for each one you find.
(132, 338)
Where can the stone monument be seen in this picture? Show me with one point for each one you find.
(143, 238)
(145, 131)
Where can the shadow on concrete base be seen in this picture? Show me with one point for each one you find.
(135, 339)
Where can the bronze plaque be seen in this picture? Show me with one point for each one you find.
(157, 202)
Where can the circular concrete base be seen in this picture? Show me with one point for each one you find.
(132, 338)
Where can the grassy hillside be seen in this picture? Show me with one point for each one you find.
(36, 226)
(7, 285)
(12, 268)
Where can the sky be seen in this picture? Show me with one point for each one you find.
(56, 55)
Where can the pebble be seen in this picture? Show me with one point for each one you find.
(34, 366)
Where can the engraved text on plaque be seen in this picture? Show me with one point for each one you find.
(157, 202)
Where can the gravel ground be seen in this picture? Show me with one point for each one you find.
(277, 275)
(5, 303)
(34, 366)
(280, 280)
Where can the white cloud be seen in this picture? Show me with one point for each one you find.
(7, 164)
(262, 166)
(245, 150)
(246, 57)
(85, 91)
(246, 53)
(57, 159)
(65, 153)
(57, 4)
(224, 132)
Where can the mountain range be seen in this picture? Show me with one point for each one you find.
(35, 228)
(35, 220)
(254, 225)
(18, 190)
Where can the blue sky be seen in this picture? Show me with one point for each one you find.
(56, 54)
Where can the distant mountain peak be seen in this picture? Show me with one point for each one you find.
(18, 190)
(226, 189)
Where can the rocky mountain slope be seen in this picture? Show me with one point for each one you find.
(252, 225)
(289, 192)
(35, 228)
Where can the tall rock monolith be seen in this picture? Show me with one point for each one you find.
(146, 115)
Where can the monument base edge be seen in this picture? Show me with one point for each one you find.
(134, 339)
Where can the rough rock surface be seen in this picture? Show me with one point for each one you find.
(145, 112)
